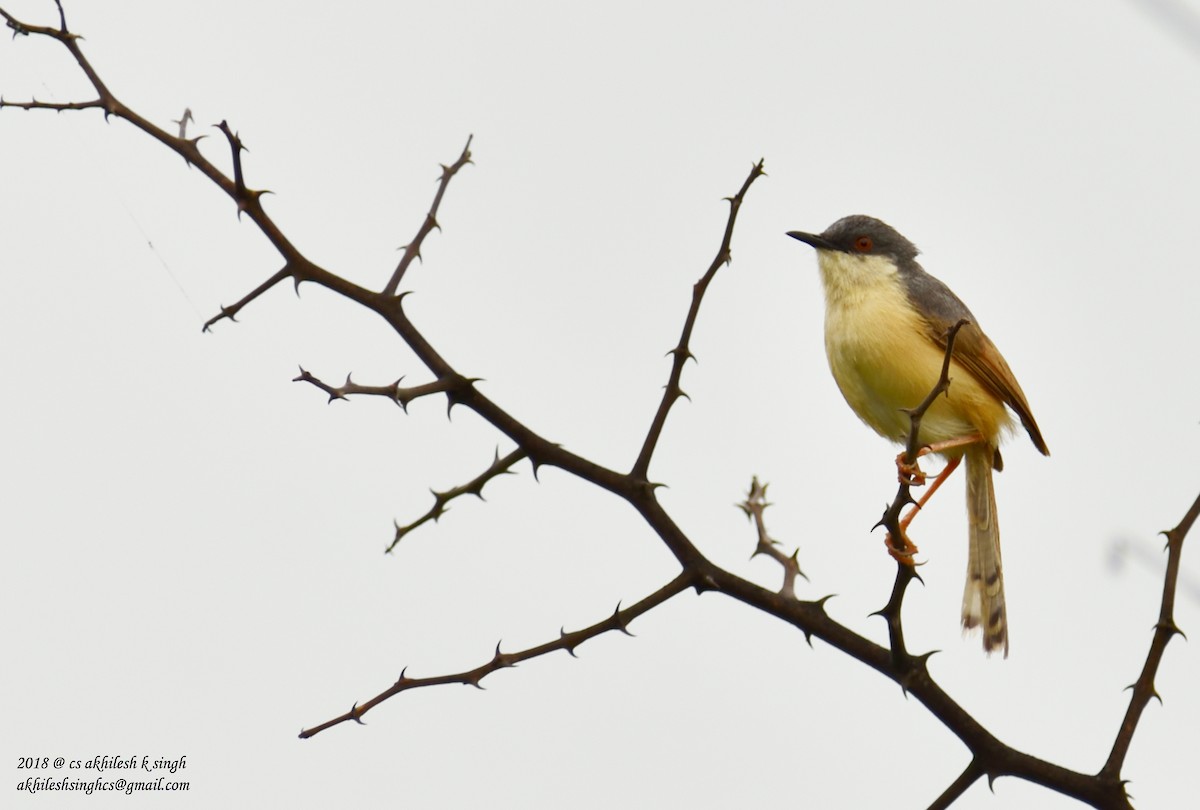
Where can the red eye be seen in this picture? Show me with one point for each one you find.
(863, 244)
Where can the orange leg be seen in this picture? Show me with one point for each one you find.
(912, 475)
(950, 444)
(951, 466)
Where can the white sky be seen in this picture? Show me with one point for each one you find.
(192, 544)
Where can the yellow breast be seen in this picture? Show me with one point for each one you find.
(884, 361)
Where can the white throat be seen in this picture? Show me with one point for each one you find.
(849, 278)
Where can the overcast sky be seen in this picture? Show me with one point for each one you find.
(192, 544)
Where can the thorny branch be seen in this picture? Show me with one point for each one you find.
(754, 506)
(499, 466)
(682, 352)
(395, 392)
(1164, 630)
(413, 249)
(619, 620)
(34, 104)
(990, 757)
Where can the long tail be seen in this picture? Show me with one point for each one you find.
(983, 597)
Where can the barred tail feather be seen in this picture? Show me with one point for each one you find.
(983, 596)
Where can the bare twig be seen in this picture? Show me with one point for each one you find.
(413, 249)
(499, 466)
(1164, 630)
(189, 149)
(183, 121)
(682, 352)
(231, 312)
(619, 620)
(754, 506)
(395, 392)
(242, 195)
(958, 787)
(34, 104)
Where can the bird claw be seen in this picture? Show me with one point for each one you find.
(910, 474)
(904, 552)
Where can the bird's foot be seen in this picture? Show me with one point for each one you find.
(910, 474)
(904, 551)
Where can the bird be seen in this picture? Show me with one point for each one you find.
(886, 328)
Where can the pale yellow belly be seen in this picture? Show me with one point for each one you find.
(883, 361)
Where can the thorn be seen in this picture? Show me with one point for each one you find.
(562, 634)
(620, 623)
(795, 558)
(686, 352)
(1170, 627)
(500, 659)
(440, 499)
(356, 715)
(819, 604)
(403, 676)
(924, 658)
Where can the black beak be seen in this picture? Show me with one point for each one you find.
(816, 240)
